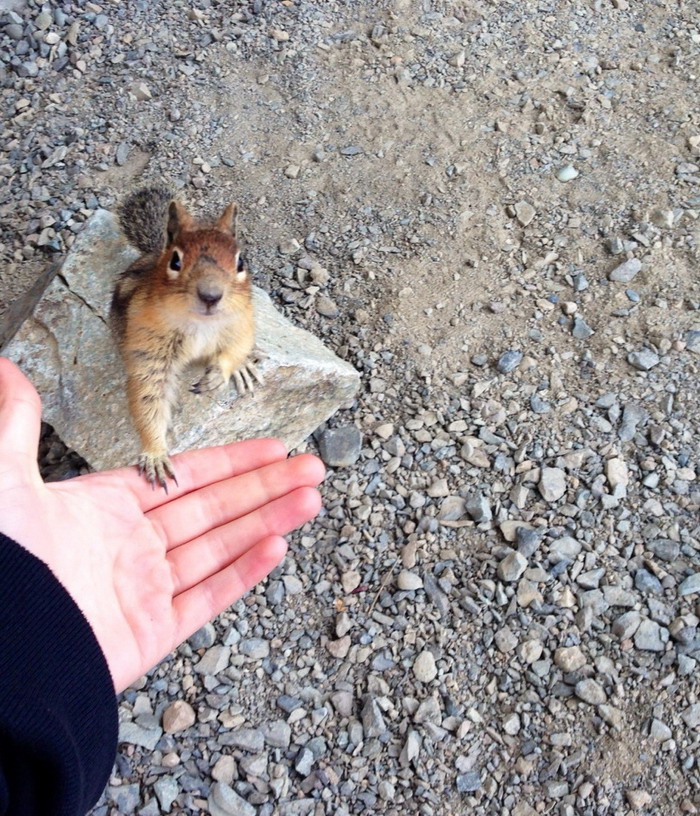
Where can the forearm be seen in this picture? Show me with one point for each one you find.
(58, 713)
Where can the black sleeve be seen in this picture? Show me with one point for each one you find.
(58, 709)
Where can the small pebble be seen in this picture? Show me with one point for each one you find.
(178, 717)
(567, 173)
(409, 581)
(512, 567)
(626, 271)
(552, 484)
(643, 360)
(590, 692)
(424, 667)
(340, 447)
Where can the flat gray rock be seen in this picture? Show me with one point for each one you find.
(136, 734)
(340, 447)
(626, 271)
(643, 360)
(214, 660)
(650, 636)
(692, 340)
(552, 484)
(67, 350)
(691, 585)
(224, 801)
(372, 720)
(512, 567)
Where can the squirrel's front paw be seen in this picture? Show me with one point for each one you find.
(244, 376)
(211, 380)
(156, 468)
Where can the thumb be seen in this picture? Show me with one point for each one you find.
(20, 420)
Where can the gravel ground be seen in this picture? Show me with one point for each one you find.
(492, 210)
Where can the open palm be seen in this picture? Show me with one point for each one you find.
(146, 568)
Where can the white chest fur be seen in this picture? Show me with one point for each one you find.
(204, 336)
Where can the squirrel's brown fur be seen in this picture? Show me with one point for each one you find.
(187, 299)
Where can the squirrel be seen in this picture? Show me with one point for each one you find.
(187, 299)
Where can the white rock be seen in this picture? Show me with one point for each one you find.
(530, 651)
(511, 724)
(505, 640)
(569, 658)
(524, 212)
(626, 271)
(224, 769)
(650, 636)
(339, 648)
(660, 731)
(567, 173)
(638, 799)
(424, 667)
(512, 567)
(142, 92)
(691, 715)
(408, 581)
(552, 484)
(616, 472)
(590, 692)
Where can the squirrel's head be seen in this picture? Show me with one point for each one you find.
(201, 267)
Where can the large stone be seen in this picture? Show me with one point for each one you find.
(626, 271)
(224, 801)
(125, 797)
(166, 789)
(340, 447)
(512, 567)
(552, 484)
(691, 585)
(650, 636)
(590, 691)
(179, 716)
(136, 734)
(372, 720)
(214, 660)
(569, 658)
(692, 340)
(424, 667)
(68, 352)
(617, 473)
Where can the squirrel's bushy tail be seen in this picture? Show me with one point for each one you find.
(143, 216)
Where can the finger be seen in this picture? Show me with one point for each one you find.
(195, 561)
(203, 510)
(20, 419)
(196, 469)
(206, 600)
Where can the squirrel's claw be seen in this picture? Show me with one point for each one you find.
(211, 380)
(156, 469)
(243, 378)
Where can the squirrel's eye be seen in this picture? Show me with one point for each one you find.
(241, 264)
(175, 262)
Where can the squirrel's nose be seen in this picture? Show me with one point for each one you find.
(209, 295)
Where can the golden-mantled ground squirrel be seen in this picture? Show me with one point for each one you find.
(186, 300)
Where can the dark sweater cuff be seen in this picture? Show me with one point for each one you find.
(58, 710)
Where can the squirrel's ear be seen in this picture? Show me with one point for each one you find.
(227, 221)
(179, 220)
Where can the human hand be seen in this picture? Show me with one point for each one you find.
(148, 569)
